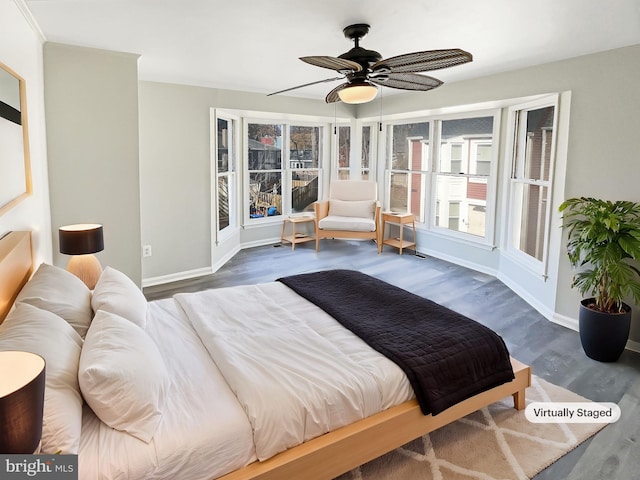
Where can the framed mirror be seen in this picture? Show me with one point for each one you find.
(15, 165)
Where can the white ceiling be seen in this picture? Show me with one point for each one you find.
(254, 45)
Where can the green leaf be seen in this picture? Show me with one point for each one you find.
(602, 237)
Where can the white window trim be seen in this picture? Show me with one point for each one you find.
(387, 127)
(538, 267)
(335, 146)
(373, 150)
(233, 228)
(246, 220)
(285, 121)
(489, 240)
(245, 116)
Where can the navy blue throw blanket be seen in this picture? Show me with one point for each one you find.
(446, 356)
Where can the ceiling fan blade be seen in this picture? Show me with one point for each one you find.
(406, 81)
(332, 96)
(422, 61)
(306, 85)
(333, 63)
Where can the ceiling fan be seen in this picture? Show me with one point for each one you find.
(364, 69)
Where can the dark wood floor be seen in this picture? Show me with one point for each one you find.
(553, 352)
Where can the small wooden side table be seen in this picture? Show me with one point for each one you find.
(400, 219)
(296, 237)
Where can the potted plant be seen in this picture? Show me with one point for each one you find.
(603, 242)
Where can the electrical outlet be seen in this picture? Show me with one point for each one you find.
(146, 251)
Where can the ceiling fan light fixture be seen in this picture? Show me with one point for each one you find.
(360, 92)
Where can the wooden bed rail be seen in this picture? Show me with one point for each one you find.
(337, 452)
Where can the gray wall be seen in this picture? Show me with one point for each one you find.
(91, 102)
(175, 172)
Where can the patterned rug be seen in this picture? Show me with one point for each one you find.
(497, 442)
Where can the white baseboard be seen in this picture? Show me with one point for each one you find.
(174, 277)
(526, 296)
(572, 323)
(633, 346)
(189, 274)
(457, 261)
(200, 272)
(568, 322)
(260, 243)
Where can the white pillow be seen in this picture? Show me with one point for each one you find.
(58, 291)
(31, 329)
(117, 293)
(357, 208)
(122, 376)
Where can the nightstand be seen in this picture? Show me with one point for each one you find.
(400, 219)
(296, 237)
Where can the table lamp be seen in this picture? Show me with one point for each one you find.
(82, 241)
(22, 382)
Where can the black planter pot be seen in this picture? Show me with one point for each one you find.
(603, 335)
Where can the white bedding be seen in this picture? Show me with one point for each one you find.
(295, 370)
(204, 432)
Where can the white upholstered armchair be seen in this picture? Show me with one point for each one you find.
(352, 211)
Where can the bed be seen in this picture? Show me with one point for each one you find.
(168, 410)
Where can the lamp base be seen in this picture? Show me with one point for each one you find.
(87, 268)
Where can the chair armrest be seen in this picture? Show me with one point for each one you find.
(321, 209)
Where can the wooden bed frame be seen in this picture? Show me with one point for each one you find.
(324, 457)
(16, 266)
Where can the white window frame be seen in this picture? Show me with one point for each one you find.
(424, 214)
(491, 180)
(290, 169)
(431, 174)
(286, 170)
(335, 157)
(220, 236)
(247, 220)
(513, 168)
(373, 150)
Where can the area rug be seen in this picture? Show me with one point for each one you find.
(497, 442)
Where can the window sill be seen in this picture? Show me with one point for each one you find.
(455, 237)
(532, 266)
(263, 222)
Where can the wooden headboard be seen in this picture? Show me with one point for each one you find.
(16, 265)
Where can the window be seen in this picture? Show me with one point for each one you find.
(224, 168)
(344, 151)
(409, 157)
(367, 152)
(265, 169)
(531, 177)
(443, 171)
(282, 180)
(305, 153)
(463, 173)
